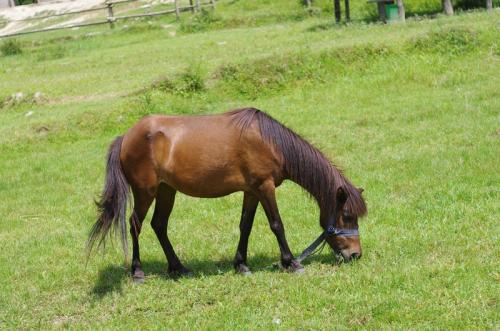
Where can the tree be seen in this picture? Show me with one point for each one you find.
(489, 5)
(401, 10)
(447, 7)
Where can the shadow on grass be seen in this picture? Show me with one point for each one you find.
(112, 277)
(110, 280)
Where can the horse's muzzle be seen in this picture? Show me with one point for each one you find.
(349, 255)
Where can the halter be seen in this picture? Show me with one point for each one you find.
(330, 231)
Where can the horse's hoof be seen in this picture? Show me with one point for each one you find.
(243, 270)
(138, 280)
(138, 277)
(296, 267)
(181, 272)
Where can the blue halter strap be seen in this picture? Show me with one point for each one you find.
(330, 231)
(333, 231)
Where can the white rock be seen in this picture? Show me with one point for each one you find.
(18, 96)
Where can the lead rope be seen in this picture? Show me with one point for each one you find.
(300, 258)
(313, 247)
(316, 251)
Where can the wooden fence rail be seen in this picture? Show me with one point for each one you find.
(111, 18)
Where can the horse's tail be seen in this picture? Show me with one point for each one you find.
(112, 204)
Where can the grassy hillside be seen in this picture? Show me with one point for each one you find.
(410, 112)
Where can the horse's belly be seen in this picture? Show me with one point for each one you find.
(195, 192)
(205, 183)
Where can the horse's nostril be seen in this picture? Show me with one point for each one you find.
(355, 255)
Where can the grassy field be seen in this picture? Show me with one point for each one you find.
(410, 112)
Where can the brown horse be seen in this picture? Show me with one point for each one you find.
(213, 156)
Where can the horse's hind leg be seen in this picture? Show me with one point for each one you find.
(142, 202)
(165, 199)
(250, 203)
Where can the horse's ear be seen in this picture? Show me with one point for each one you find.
(341, 196)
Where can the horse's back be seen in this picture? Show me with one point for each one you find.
(205, 156)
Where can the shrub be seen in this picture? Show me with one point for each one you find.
(187, 82)
(200, 22)
(191, 81)
(470, 4)
(11, 47)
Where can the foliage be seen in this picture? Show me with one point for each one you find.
(10, 47)
(189, 81)
(471, 4)
(201, 21)
(25, 2)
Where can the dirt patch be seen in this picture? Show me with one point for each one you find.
(15, 16)
(85, 98)
(54, 7)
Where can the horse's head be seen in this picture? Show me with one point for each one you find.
(344, 238)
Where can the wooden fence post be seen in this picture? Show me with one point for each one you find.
(213, 3)
(336, 5)
(177, 12)
(308, 3)
(191, 5)
(381, 11)
(111, 17)
(197, 2)
(347, 11)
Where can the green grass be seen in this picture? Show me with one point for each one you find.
(410, 112)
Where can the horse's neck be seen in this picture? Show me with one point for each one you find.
(324, 217)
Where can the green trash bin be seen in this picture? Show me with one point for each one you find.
(391, 13)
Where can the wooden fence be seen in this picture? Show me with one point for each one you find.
(194, 6)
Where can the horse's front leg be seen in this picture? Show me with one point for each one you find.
(266, 194)
(250, 203)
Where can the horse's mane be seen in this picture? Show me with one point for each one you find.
(304, 163)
